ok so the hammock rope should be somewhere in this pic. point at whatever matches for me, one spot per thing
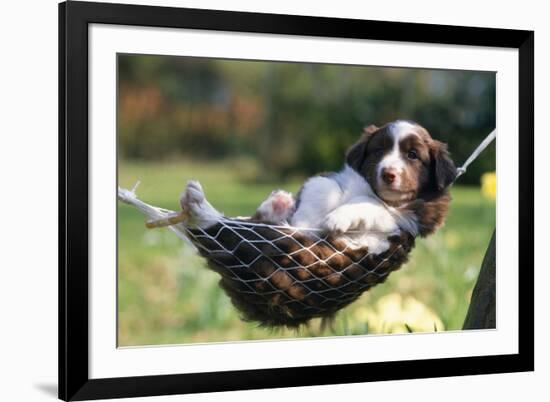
(480, 148)
(284, 275)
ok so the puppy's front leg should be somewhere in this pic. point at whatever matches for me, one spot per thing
(362, 214)
(340, 220)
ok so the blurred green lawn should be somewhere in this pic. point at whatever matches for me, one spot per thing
(167, 296)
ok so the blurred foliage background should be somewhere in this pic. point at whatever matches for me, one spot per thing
(244, 128)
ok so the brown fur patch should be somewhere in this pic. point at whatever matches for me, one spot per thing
(430, 212)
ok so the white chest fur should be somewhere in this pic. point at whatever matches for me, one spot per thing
(345, 203)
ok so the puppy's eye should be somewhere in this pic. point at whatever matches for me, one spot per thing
(412, 154)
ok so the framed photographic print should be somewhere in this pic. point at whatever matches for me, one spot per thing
(237, 190)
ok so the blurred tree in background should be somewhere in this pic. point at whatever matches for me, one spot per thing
(292, 118)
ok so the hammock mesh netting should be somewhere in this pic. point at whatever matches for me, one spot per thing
(279, 275)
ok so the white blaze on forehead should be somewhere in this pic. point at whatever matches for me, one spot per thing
(401, 129)
(394, 159)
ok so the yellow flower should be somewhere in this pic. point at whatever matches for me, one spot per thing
(489, 185)
(393, 314)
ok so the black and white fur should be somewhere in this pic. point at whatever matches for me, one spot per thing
(378, 193)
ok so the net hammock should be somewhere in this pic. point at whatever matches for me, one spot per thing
(282, 275)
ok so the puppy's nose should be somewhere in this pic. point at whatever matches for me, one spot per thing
(389, 176)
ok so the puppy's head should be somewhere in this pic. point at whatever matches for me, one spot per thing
(402, 162)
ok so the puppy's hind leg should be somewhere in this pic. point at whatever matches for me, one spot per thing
(201, 212)
(276, 209)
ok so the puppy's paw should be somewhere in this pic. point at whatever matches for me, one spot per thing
(337, 223)
(282, 202)
(192, 196)
(277, 208)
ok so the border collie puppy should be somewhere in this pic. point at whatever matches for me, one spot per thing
(395, 178)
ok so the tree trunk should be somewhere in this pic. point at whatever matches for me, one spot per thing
(482, 313)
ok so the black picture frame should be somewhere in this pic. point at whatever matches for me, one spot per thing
(74, 19)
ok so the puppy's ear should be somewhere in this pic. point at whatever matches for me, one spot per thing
(369, 130)
(444, 169)
(357, 153)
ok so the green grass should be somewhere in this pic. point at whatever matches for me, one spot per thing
(167, 295)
